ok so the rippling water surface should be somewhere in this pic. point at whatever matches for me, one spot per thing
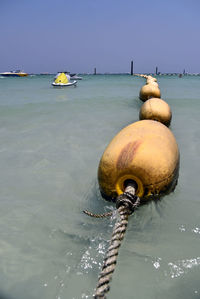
(51, 144)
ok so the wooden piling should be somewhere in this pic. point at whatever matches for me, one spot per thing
(156, 70)
(132, 67)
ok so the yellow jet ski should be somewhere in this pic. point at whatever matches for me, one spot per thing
(61, 80)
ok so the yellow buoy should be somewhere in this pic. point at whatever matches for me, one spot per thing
(149, 91)
(156, 109)
(152, 79)
(145, 152)
(153, 83)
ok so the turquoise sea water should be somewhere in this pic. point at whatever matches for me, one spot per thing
(51, 143)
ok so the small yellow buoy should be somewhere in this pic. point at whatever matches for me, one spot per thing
(145, 152)
(152, 79)
(149, 91)
(153, 83)
(156, 109)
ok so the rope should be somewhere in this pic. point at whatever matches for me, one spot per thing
(112, 253)
(108, 214)
(126, 204)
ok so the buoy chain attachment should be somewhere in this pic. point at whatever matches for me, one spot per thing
(128, 200)
(126, 204)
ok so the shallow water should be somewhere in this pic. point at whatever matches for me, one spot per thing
(51, 143)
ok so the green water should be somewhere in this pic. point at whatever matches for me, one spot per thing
(51, 144)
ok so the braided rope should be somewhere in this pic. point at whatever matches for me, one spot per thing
(126, 203)
(112, 253)
(108, 214)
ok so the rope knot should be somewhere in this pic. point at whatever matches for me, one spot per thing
(128, 200)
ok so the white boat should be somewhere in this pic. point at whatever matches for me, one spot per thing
(76, 77)
(14, 74)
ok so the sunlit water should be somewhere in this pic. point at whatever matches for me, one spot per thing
(51, 143)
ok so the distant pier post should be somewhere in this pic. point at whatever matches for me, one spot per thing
(95, 71)
(156, 70)
(132, 67)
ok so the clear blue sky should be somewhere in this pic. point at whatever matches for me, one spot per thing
(78, 35)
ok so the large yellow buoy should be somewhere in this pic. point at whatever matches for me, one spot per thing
(149, 91)
(145, 152)
(156, 109)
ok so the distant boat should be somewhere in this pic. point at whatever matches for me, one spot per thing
(14, 74)
(62, 80)
(74, 76)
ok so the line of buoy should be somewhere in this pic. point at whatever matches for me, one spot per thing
(154, 107)
(140, 163)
